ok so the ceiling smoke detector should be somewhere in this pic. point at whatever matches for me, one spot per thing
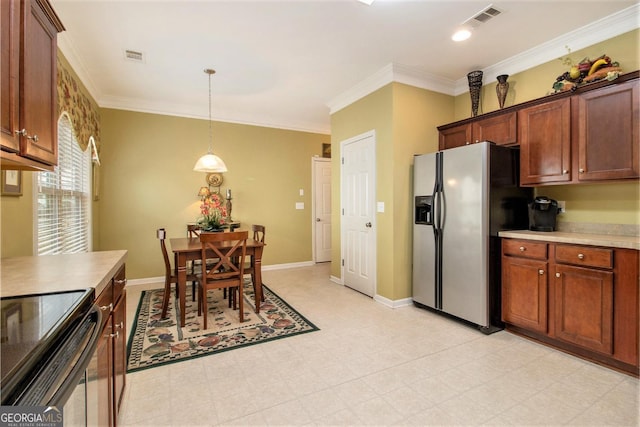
(133, 55)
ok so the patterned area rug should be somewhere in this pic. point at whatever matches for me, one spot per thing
(155, 341)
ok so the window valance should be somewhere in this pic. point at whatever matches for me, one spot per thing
(83, 113)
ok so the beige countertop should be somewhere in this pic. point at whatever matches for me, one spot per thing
(626, 242)
(54, 273)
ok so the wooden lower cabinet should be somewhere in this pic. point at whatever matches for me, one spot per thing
(580, 299)
(111, 352)
(583, 312)
(524, 293)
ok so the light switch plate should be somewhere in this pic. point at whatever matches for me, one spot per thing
(301, 192)
(299, 205)
(380, 206)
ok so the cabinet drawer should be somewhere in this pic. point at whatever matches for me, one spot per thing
(524, 248)
(105, 302)
(119, 280)
(584, 256)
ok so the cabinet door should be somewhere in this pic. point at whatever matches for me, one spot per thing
(104, 354)
(608, 133)
(524, 293)
(38, 103)
(455, 137)
(9, 73)
(584, 307)
(119, 352)
(499, 129)
(544, 133)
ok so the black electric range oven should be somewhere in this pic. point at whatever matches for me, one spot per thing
(47, 342)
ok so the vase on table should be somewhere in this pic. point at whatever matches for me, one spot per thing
(502, 88)
(475, 84)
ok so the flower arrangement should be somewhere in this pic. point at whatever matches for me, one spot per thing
(213, 212)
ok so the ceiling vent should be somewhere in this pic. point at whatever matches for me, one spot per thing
(483, 16)
(132, 55)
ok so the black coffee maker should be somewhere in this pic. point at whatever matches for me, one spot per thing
(542, 214)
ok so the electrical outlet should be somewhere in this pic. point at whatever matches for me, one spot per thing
(561, 206)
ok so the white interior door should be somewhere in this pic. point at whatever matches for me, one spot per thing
(322, 209)
(358, 213)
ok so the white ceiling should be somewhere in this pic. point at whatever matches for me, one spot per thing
(288, 64)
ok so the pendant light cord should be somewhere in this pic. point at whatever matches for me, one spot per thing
(210, 72)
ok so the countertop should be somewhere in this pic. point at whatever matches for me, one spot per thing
(54, 273)
(614, 241)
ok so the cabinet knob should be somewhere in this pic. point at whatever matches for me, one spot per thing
(581, 170)
(541, 272)
(565, 171)
(467, 143)
(116, 335)
(121, 281)
(557, 274)
(522, 248)
(580, 256)
(120, 325)
(477, 141)
(33, 138)
(22, 132)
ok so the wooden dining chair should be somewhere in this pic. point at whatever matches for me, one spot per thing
(193, 231)
(225, 273)
(170, 275)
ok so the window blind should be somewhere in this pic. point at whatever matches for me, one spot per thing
(64, 197)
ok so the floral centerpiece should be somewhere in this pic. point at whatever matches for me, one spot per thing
(213, 213)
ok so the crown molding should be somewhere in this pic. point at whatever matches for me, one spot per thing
(603, 29)
(189, 111)
(597, 31)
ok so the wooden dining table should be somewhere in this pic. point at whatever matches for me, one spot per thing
(187, 249)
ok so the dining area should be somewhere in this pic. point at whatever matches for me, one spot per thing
(212, 261)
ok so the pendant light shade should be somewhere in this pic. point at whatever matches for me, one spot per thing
(210, 162)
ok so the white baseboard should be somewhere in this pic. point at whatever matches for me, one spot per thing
(160, 279)
(337, 280)
(393, 303)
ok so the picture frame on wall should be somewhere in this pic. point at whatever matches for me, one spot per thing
(11, 183)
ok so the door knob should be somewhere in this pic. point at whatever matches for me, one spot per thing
(317, 219)
(368, 225)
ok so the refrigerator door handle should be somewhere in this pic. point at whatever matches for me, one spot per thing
(442, 207)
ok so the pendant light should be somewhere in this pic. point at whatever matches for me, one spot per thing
(210, 162)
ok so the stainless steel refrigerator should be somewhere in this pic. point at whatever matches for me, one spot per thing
(462, 198)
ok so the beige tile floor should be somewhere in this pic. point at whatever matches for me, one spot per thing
(372, 365)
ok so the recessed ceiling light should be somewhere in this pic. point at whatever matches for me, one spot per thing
(367, 2)
(461, 35)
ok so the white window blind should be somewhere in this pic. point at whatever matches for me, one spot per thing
(64, 198)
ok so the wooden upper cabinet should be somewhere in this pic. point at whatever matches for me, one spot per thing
(9, 74)
(29, 124)
(607, 133)
(544, 133)
(500, 129)
(454, 137)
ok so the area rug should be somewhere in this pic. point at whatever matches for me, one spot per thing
(155, 341)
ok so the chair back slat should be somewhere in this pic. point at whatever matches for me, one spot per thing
(258, 232)
(230, 249)
(193, 230)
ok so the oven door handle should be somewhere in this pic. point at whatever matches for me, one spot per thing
(66, 388)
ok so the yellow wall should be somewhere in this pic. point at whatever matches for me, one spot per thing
(148, 182)
(405, 119)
